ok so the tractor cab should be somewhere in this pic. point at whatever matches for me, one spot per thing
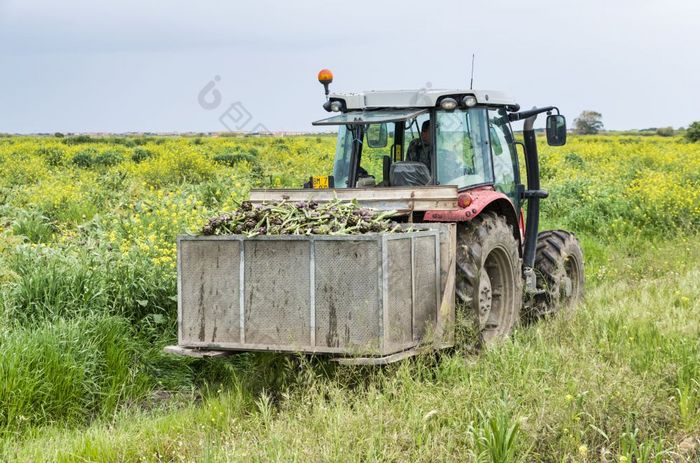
(434, 138)
(442, 144)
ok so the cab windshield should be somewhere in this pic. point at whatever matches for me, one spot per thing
(455, 149)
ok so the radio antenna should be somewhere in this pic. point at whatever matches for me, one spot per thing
(471, 83)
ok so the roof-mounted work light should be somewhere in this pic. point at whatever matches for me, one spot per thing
(469, 101)
(448, 104)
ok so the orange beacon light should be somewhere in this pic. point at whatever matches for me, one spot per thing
(325, 76)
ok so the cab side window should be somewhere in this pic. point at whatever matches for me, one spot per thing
(503, 153)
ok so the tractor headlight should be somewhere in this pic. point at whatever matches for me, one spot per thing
(448, 104)
(469, 101)
(336, 106)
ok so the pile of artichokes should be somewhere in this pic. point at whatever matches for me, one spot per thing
(303, 218)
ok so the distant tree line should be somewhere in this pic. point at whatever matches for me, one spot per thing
(591, 122)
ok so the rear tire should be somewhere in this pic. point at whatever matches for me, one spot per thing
(489, 281)
(559, 271)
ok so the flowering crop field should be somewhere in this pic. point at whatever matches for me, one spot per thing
(88, 300)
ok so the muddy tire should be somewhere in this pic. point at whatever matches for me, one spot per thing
(559, 271)
(489, 281)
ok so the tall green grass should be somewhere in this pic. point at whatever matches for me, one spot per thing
(85, 279)
(81, 331)
(66, 371)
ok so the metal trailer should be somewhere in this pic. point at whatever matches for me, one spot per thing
(365, 299)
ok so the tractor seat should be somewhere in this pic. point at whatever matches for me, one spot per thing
(409, 173)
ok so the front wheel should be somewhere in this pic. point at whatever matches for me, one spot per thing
(489, 282)
(559, 271)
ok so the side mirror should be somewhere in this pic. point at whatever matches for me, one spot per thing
(556, 130)
(377, 135)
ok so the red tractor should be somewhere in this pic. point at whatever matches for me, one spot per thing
(420, 139)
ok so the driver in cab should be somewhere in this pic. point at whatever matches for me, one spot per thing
(419, 148)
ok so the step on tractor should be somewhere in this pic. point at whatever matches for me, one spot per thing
(445, 161)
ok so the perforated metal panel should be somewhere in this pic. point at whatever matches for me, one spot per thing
(277, 293)
(347, 303)
(399, 294)
(209, 290)
(425, 289)
(368, 294)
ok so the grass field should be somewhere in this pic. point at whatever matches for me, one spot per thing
(87, 301)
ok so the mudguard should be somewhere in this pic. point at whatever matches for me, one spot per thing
(473, 202)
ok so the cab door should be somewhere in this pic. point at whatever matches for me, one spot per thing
(505, 158)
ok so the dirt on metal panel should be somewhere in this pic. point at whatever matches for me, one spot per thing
(347, 294)
(425, 290)
(277, 292)
(399, 329)
(209, 290)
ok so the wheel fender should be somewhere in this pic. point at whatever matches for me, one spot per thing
(474, 202)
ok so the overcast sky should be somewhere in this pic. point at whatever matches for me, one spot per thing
(128, 65)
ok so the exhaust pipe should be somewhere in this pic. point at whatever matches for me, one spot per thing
(533, 193)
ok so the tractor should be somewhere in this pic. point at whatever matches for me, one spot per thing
(506, 269)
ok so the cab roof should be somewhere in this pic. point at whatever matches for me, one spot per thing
(421, 98)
